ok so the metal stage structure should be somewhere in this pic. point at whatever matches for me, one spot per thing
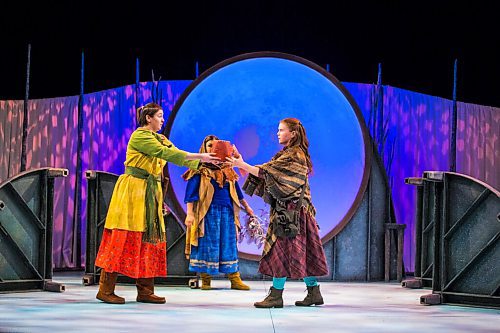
(26, 223)
(458, 240)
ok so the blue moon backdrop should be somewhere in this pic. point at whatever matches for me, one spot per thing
(243, 102)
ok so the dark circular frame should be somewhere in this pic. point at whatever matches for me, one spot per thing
(171, 198)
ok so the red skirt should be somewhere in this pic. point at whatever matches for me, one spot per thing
(297, 257)
(124, 252)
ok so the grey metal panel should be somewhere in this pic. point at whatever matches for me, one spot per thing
(29, 190)
(21, 224)
(177, 264)
(350, 253)
(466, 244)
(9, 262)
(26, 230)
(249, 269)
(379, 215)
(359, 247)
(469, 243)
(329, 248)
(427, 231)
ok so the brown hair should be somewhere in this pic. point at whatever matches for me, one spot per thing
(210, 137)
(300, 138)
(149, 109)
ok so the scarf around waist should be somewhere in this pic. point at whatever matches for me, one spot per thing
(152, 233)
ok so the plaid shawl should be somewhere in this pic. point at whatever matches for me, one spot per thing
(281, 179)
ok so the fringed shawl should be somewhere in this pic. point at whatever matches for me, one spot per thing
(218, 174)
(281, 179)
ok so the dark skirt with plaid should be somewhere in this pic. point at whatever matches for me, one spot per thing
(297, 257)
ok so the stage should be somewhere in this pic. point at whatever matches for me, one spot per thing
(349, 307)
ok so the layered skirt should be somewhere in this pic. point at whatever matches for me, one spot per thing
(124, 252)
(216, 251)
(297, 257)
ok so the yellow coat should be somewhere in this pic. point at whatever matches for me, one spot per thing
(149, 151)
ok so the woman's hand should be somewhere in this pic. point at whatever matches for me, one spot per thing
(236, 160)
(247, 207)
(209, 158)
(189, 220)
(249, 211)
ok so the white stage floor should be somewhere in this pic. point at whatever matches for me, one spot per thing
(349, 307)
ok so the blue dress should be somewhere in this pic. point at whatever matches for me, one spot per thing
(216, 251)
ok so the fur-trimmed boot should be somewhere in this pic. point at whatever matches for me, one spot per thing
(273, 300)
(313, 297)
(146, 291)
(236, 282)
(106, 291)
(206, 279)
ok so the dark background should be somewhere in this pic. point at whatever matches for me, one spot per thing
(416, 42)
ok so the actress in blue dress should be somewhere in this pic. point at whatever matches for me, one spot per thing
(213, 198)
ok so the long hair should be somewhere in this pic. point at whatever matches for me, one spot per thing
(300, 139)
(146, 110)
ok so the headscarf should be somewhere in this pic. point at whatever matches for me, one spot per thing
(220, 174)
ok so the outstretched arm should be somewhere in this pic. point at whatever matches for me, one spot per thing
(238, 162)
(204, 157)
(149, 143)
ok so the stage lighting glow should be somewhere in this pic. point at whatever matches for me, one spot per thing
(244, 100)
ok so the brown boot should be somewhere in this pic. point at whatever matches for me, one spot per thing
(236, 282)
(273, 300)
(206, 279)
(313, 297)
(106, 291)
(145, 291)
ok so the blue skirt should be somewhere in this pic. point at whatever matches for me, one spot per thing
(216, 251)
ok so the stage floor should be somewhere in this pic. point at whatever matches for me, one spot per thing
(349, 307)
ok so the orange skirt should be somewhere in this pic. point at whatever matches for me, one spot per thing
(124, 252)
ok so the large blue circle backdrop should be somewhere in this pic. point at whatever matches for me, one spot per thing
(243, 99)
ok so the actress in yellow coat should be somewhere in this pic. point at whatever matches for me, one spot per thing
(134, 239)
